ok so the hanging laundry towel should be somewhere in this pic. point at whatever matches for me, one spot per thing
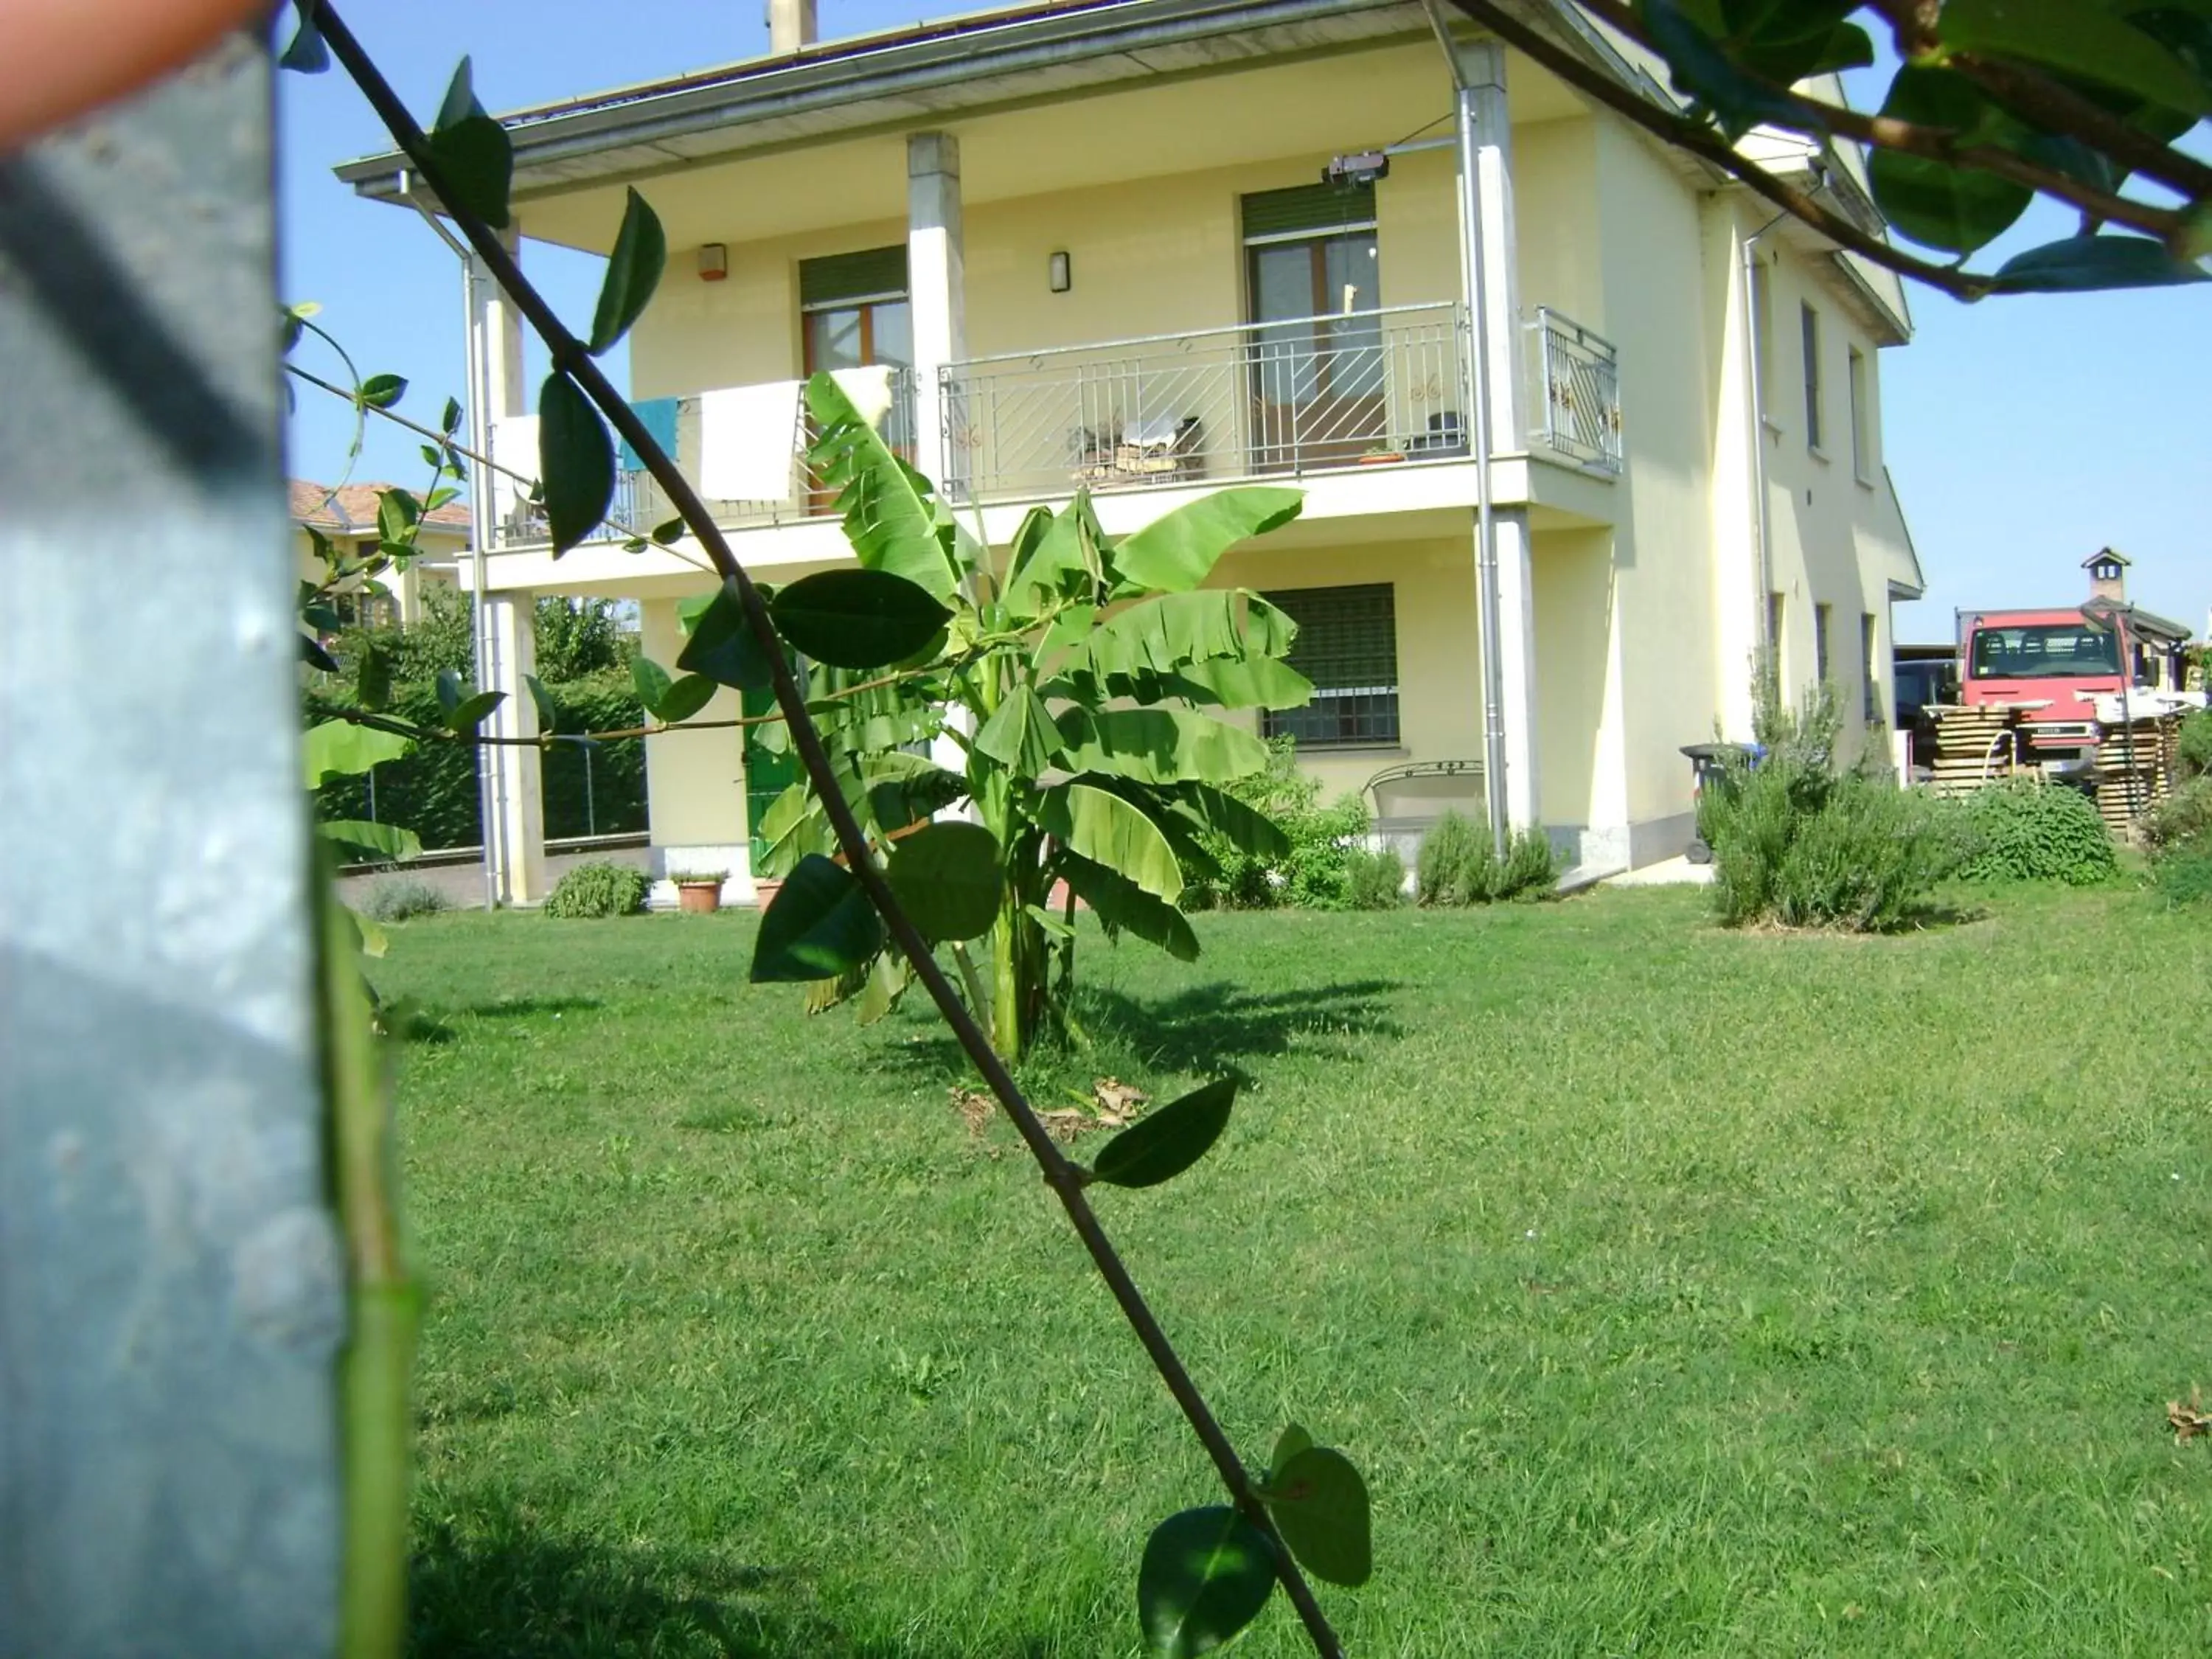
(514, 449)
(658, 416)
(869, 389)
(748, 442)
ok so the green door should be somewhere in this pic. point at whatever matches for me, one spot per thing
(766, 775)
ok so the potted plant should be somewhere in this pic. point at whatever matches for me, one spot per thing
(1381, 455)
(698, 892)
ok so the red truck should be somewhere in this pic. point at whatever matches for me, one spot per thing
(2060, 663)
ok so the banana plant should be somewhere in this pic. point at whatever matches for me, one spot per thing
(1078, 683)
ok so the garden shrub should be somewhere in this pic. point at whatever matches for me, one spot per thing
(1459, 865)
(1798, 841)
(2183, 817)
(596, 890)
(396, 898)
(2197, 743)
(1374, 881)
(2183, 874)
(2028, 830)
(1316, 874)
(1450, 862)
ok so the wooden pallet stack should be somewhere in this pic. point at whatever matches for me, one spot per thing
(2136, 762)
(1974, 746)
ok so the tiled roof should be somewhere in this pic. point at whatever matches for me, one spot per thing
(351, 508)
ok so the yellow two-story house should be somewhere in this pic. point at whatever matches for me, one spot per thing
(1585, 432)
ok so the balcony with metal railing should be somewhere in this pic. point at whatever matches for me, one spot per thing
(1385, 388)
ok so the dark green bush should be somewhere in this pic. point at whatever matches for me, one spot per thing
(1374, 881)
(1798, 843)
(2197, 743)
(1316, 873)
(2183, 817)
(2183, 874)
(596, 890)
(397, 898)
(1459, 865)
(2025, 830)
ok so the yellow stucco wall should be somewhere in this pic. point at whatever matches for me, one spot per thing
(695, 780)
(405, 586)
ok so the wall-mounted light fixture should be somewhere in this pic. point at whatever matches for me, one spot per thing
(714, 262)
(1060, 272)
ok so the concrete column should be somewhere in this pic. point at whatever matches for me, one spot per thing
(1515, 634)
(515, 836)
(937, 294)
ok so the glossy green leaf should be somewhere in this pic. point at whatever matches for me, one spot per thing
(652, 681)
(1165, 634)
(820, 925)
(2080, 264)
(305, 54)
(548, 711)
(2076, 38)
(1122, 906)
(575, 462)
(1168, 1141)
(947, 879)
(634, 269)
(449, 420)
(1159, 745)
(1293, 1440)
(472, 151)
(1020, 734)
(885, 505)
(1243, 826)
(1319, 1504)
(1174, 553)
(382, 391)
(377, 841)
(857, 618)
(1111, 831)
(686, 698)
(341, 748)
(1206, 1575)
(899, 789)
(1703, 71)
(312, 654)
(371, 676)
(469, 714)
(722, 646)
(1955, 209)
(1064, 561)
(450, 691)
(888, 978)
(668, 534)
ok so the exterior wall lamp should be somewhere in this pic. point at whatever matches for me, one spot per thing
(1060, 272)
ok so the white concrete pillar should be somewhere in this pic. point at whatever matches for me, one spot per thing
(516, 837)
(936, 295)
(1516, 658)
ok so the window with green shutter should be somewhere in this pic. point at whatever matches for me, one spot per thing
(850, 279)
(1347, 646)
(1308, 211)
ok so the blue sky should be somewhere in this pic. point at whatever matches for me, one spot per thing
(2024, 433)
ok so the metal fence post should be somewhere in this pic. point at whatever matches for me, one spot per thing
(171, 1290)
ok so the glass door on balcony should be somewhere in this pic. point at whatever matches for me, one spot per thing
(1313, 277)
(853, 314)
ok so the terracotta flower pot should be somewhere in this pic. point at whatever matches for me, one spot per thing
(764, 893)
(699, 898)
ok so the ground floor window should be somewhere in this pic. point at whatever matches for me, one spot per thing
(1347, 646)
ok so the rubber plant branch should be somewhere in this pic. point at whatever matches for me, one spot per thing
(1705, 142)
(569, 357)
(1935, 143)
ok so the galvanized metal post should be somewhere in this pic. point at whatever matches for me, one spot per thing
(170, 1288)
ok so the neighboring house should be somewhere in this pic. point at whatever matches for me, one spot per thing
(1094, 245)
(347, 516)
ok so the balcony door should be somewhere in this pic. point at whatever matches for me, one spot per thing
(1313, 281)
(853, 314)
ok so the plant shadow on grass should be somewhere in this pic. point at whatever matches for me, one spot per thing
(1213, 1029)
(498, 1589)
(523, 1007)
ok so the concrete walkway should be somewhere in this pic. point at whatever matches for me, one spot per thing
(462, 880)
(1668, 872)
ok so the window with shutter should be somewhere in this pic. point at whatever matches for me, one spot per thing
(1347, 646)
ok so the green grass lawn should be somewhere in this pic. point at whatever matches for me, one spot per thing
(1678, 1291)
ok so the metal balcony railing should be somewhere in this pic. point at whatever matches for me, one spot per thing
(1574, 403)
(1259, 400)
(640, 503)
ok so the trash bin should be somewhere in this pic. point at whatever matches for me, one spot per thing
(1708, 761)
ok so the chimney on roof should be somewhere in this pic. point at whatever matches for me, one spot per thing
(2108, 575)
(791, 26)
